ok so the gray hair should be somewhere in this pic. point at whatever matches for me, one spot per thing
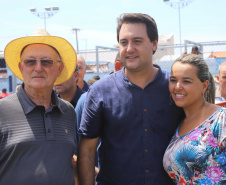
(81, 57)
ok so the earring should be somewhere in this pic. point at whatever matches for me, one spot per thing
(204, 96)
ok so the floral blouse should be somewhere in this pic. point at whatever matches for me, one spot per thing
(199, 157)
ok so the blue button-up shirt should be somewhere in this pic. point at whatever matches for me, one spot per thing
(135, 126)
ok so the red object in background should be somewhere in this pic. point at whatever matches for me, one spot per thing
(3, 95)
(118, 66)
(221, 103)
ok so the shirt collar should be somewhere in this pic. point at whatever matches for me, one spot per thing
(78, 93)
(28, 105)
(126, 80)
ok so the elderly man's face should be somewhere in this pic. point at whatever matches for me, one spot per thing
(82, 68)
(39, 77)
(222, 79)
(66, 87)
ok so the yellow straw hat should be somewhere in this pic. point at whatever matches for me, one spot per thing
(67, 53)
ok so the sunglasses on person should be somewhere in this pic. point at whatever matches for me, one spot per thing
(44, 62)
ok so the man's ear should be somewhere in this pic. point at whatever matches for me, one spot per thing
(76, 76)
(154, 46)
(20, 67)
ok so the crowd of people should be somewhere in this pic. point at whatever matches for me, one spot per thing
(138, 125)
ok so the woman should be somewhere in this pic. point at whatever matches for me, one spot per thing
(196, 153)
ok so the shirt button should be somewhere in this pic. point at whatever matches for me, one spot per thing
(145, 110)
(145, 130)
(146, 150)
(147, 171)
(49, 130)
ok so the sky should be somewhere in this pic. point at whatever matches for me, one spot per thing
(200, 20)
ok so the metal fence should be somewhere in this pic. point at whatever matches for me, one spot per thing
(214, 54)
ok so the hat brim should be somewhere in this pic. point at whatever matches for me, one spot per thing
(67, 53)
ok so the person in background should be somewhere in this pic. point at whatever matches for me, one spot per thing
(82, 71)
(221, 89)
(69, 90)
(196, 153)
(93, 79)
(37, 134)
(17, 88)
(194, 50)
(4, 93)
(130, 111)
(118, 64)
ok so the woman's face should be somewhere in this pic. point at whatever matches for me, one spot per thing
(185, 87)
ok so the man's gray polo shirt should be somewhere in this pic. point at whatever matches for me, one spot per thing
(36, 146)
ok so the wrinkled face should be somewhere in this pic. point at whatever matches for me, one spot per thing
(185, 87)
(67, 86)
(136, 49)
(222, 79)
(39, 77)
(82, 69)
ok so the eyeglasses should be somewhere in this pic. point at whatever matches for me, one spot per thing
(44, 62)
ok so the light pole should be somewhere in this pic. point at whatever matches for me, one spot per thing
(76, 35)
(49, 12)
(178, 4)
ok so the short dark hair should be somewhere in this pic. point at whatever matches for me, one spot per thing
(4, 90)
(202, 73)
(151, 27)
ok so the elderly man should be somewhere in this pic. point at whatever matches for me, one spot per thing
(69, 90)
(221, 89)
(37, 129)
(82, 71)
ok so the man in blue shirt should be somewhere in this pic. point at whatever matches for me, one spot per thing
(131, 112)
